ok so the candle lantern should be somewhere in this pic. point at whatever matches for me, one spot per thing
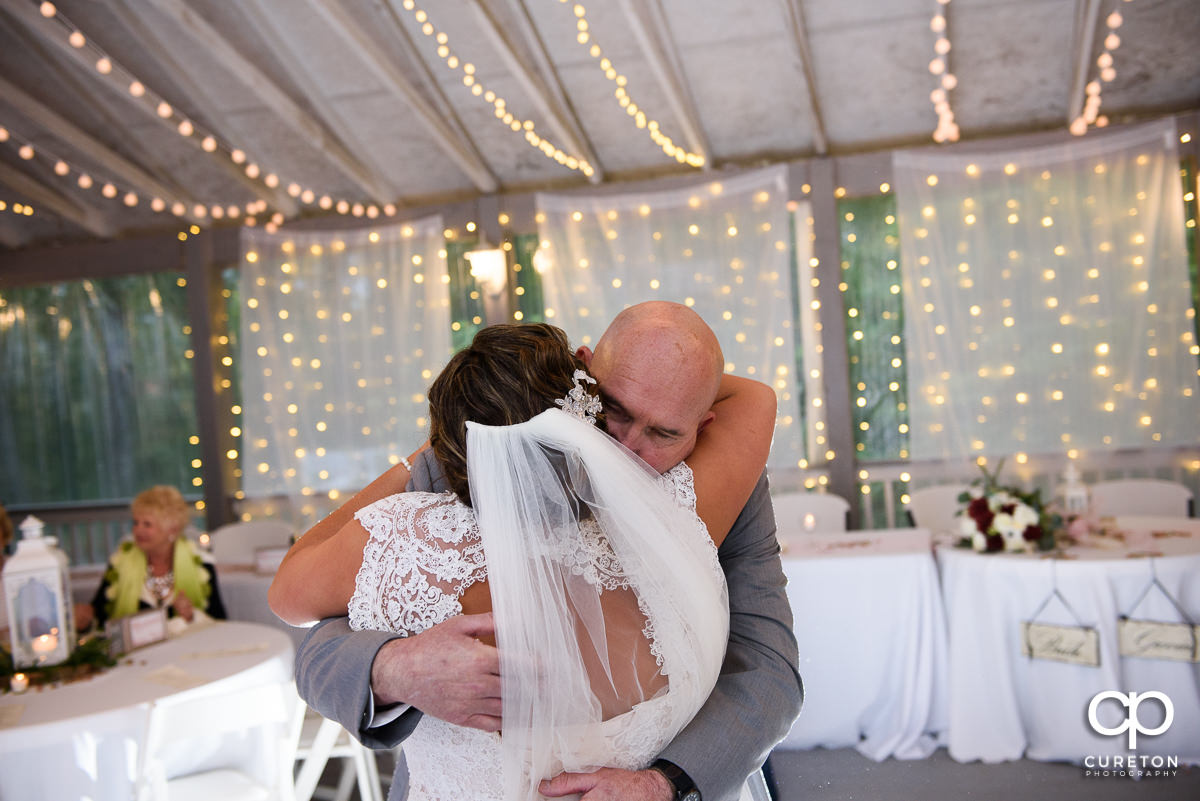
(37, 592)
(1074, 492)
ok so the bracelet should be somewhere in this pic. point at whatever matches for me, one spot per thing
(407, 464)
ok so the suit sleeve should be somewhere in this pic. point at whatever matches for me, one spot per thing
(759, 692)
(333, 663)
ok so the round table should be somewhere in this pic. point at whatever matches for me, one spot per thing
(83, 739)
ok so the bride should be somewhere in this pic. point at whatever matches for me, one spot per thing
(610, 607)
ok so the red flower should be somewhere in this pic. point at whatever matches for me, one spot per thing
(1032, 534)
(982, 514)
(995, 543)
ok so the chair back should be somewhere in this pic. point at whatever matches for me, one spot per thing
(221, 742)
(799, 512)
(1140, 496)
(235, 543)
(934, 507)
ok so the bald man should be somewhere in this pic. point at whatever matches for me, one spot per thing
(658, 366)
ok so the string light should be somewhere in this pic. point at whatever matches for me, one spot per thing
(1107, 73)
(635, 110)
(499, 105)
(947, 128)
(179, 122)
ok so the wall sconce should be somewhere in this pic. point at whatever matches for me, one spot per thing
(489, 266)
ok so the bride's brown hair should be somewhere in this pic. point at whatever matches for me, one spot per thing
(509, 374)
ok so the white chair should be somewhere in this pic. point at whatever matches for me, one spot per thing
(235, 543)
(798, 512)
(934, 507)
(319, 740)
(237, 745)
(1140, 496)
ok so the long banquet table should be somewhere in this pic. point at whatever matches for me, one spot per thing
(1003, 705)
(82, 739)
(869, 623)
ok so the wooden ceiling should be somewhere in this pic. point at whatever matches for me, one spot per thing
(351, 100)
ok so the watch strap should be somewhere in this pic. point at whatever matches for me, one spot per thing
(685, 788)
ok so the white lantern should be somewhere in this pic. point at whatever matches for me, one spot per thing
(37, 592)
(1074, 492)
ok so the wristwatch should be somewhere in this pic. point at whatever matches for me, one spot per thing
(685, 788)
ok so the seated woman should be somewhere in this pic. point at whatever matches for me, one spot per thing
(158, 568)
(610, 606)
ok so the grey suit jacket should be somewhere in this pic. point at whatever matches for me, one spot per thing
(757, 695)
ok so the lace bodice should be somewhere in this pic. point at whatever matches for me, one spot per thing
(424, 551)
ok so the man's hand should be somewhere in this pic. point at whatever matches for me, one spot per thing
(444, 671)
(611, 784)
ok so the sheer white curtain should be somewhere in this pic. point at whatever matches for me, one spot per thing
(1047, 300)
(341, 334)
(722, 247)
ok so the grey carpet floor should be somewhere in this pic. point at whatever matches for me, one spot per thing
(846, 775)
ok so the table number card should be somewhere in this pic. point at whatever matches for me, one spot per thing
(1154, 639)
(1078, 645)
(135, 631)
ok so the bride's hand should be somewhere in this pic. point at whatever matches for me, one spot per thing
(444, 671)
(610, 784)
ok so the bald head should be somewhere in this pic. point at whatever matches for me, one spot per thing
(659, 368)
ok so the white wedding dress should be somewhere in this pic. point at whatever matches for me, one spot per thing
(426, 549)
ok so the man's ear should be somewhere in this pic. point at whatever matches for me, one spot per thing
(708, 417)
(586, 354)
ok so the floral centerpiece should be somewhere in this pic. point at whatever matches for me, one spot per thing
(995, 518)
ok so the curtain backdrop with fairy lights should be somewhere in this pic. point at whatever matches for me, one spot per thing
(341, 334)
(721, 247)
(1046, 297)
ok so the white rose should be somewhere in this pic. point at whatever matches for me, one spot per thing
(1005, 524)
(966, 526)
(979, 542)
(1025, 516)
(1015, 544)
(976, 492)
(999, 499)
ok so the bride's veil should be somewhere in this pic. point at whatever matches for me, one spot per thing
(606, 594)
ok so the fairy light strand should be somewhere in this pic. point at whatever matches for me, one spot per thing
(635, 111)
(499, 104)
(168, 115)
(1107, 73)
(939, 67)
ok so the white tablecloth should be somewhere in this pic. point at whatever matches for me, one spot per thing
(244, 593)
(1003, 706)
(869, 623)
(82, 740)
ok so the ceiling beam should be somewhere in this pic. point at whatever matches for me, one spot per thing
(1087, 14)
(150, 39)
(538, 77)
(447, 133)
(10, 235)
(372, 181)
(650, 26)
(38, 194)
(90, 148)
(33, 21)
(795, 16)
(273, 96)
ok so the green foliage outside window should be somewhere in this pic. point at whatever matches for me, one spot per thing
(871, 279)
(96, 400)
(874, 307)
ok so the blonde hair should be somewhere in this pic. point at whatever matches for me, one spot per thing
(166, 505)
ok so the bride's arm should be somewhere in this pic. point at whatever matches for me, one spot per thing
(329, 567)
(731, 451)
(288, 596)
